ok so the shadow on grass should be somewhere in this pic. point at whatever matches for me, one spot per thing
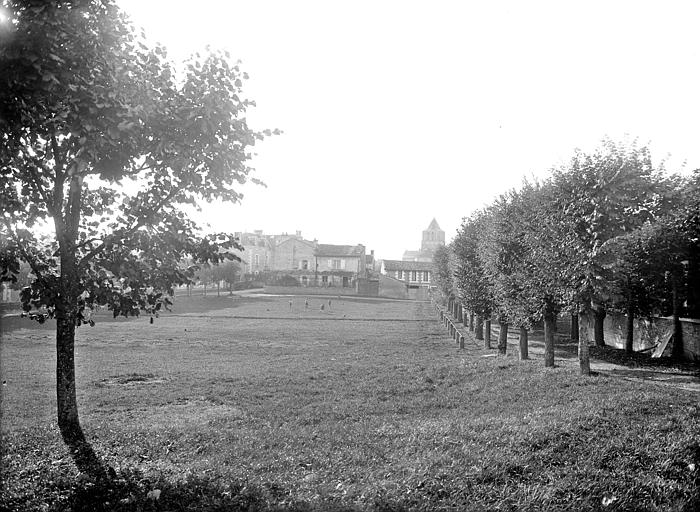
(131, 492)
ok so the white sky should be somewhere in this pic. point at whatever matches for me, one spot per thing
(395, 112)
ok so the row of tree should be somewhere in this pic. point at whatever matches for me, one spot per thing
(607, 231)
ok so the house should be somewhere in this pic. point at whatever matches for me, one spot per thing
(275, 253)
(413, 273)
(339, 265)
(292, 252)
(257, 252)
(433, 237)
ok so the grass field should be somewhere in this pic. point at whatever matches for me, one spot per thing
(247, 403)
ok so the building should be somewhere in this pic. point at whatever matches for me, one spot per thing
(339, 265)
(291, 258)
(257, 252)
(292, 252)
(413, 273)
(433, 237)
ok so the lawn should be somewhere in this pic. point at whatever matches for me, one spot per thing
(248, 403)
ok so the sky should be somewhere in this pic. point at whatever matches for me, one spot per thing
(398, 112)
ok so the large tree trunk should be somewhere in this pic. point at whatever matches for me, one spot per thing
(550, 321)
(479, 327)
(487, 332)
(471, 321)
(598, 328)
(66, 315)
(574, 327)
(502, 336)
(523, 343)
(67, 405)
(584, 359)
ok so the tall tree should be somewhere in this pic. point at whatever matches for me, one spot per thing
(600, 196)
(470, 276)
(102, 143)
(444, 273)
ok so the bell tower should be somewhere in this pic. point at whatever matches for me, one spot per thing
(433, 237)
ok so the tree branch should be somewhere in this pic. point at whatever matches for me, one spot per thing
(114, 238)
(22, 249)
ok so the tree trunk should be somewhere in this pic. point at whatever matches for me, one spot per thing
(471, 321)
(67, 226)
(67, 405)
(629, 338)
(677, 348)
(479, 327)
(574, 327)
(523, 343)
(502, 337)
(487, 332)
(218, 288)
(599, 314)
(550, 320)
(584, 359)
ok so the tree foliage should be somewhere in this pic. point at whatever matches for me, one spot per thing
(103, 146)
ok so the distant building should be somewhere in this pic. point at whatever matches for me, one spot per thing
(413, 273)
(339, 265)
(304, 261)
(433, 237)
(293, 253)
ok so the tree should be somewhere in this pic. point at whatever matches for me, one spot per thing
(102, 144)
(228, 272)
(506, 264)
(444, 279)
(601, 196)
(470, 276)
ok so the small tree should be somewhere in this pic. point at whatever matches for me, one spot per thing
(86, 105)
(228, 272)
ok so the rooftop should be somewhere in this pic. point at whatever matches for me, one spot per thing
(340, 250)
(408, 265)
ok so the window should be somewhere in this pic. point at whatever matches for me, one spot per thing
(413, 276)
(256, 259)
(426, 276)
(335, 264)
(305, 264)
(304, 280)
(399, 274)
(324, 279)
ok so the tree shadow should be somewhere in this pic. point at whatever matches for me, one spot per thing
(132, 492)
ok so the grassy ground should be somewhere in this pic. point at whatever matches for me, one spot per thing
(249, 404)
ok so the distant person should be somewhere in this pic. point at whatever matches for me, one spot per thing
(290, 303)
(322, 306)
(329, 303)
(306, 303)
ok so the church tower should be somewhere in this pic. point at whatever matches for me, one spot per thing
(433, 237)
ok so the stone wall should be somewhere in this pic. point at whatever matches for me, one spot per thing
(647, 332)
(392, 288)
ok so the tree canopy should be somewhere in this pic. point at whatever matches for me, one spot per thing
(104, 143)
